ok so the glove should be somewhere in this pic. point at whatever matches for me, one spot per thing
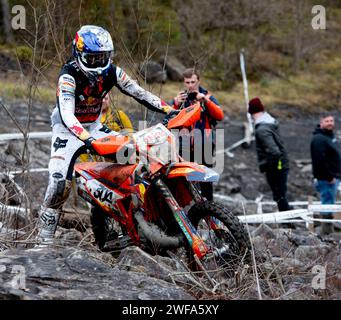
(169, 116)
(88, 144)
(165, 107)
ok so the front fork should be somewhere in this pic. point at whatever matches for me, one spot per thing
(213, 223)
(198, 245)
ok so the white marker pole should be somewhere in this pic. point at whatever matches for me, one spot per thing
(246, 92)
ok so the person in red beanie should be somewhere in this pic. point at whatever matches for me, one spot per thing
(272, 156)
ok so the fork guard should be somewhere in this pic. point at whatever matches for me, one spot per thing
(193, 172)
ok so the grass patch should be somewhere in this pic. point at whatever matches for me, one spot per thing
(18, 90)
(311, 90)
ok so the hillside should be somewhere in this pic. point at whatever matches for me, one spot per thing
(287, 61)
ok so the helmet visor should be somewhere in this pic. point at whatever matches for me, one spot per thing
(96, 60)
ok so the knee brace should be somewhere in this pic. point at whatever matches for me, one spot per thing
(57, 191)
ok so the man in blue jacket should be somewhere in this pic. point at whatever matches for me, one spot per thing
(326, 162)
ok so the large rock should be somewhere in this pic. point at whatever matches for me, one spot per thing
(62, 273)
(173, 67)
(284, 265)
(265, 231)
(159, 267)
(305, 239)
(297, 292)
(135, 259)
(152, 72)
(312, 254)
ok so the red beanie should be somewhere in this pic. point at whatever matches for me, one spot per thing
(255, 105)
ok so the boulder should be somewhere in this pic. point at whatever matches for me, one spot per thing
(174, 67)
(281, 247)
(284, 265)
(305, 239)
(137, 260)
(75, 274)
(264, 231)
(152, 72)
(312, 254)
(167, 269)
(296, 292)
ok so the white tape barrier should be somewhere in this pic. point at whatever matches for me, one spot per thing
(22, 212)
(304, 220)
(19, 136)
(12, 173)
(295, 203)
(274, 217)
(324, 208)
(289, 216)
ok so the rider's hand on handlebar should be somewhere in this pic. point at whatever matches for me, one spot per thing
(88, 143)
(166, 108)
(169, 116)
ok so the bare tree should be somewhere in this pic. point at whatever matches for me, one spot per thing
(7, 21)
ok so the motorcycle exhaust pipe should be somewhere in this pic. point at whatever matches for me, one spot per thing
(155, 235)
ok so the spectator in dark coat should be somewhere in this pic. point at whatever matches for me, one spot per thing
(272, 156)
(326, 161)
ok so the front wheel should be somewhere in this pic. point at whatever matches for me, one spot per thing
(224, 234)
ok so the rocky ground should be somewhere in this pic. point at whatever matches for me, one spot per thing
(288, 260)
(290, 264)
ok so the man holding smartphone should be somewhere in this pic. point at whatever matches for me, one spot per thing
(202, 135)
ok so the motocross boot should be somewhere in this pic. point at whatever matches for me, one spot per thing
(47, 225)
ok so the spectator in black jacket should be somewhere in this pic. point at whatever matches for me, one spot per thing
(272, 156)
(326, 161)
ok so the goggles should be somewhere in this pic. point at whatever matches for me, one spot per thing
(96, 60)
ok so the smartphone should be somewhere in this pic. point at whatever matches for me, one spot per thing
(192, 95)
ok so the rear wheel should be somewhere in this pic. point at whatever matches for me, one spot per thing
(229, 243)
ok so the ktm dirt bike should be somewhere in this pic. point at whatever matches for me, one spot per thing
(155, 200)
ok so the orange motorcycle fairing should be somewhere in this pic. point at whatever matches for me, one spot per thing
(110, 144)
(186, 117)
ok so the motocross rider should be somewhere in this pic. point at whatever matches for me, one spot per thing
(83, 82)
